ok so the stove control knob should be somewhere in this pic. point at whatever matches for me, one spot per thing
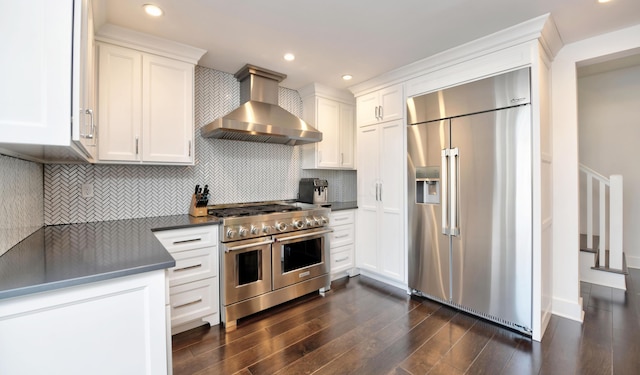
(316, 221)
(309, 222)
(242, 231)
(254, 230)
(281, 226)
(299, 224)
(323, 220)
(266, 228)
(231, 233)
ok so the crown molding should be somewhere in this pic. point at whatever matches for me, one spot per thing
(541, 28)
(113, 34)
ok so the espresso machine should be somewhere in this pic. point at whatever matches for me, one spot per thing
(313, 190)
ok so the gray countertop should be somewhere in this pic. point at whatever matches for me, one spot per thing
(338, 206)
(60, 256)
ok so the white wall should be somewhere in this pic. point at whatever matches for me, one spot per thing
(608, 133)
(566, 283)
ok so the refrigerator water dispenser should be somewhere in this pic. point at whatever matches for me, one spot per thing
(428, 185)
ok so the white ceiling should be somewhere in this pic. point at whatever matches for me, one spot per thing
(361, 37)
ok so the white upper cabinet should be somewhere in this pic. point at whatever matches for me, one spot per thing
(44, 66)
(167, 110)
(83, 106)
(331, 112)
(383, 105)
(120, 103)
(145, 101)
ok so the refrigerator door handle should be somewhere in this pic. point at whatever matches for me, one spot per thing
(454, 160)
(444, 167)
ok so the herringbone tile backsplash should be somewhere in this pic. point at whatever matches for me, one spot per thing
(235, 171)
(21, 206)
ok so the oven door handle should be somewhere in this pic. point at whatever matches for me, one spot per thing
(240, 247)
(303, 235)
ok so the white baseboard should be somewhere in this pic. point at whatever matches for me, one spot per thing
(383, 279)
(632, 262)
(567, 309)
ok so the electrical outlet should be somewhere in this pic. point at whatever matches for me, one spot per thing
(87, 190)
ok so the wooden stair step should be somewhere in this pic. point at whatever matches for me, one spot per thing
(623, 271)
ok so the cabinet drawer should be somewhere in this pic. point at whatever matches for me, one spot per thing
(342, 258)
(193, 301)
(342, 235)
(342, 217)
(193, 265)
(176, 240)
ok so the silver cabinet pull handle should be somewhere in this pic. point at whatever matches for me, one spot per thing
(342, 259)
(380, 112)
(187, 268)
(381, 192)
(188, 303)
(189, 148)
(376, 113)
(136, 145)
(93, 126)
(186, 241)
(341, 236)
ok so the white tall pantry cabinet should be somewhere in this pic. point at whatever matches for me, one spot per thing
(380, 248)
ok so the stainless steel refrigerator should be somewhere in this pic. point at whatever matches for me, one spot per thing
(470, 197)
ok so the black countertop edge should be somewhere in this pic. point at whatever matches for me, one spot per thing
(60, 256)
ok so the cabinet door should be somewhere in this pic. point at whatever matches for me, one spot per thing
(392, 103)
(392, 263)
(35, 71)
(120, 103)
(83, 96)
(328, 122)
(367, 229)
(167, 110)
(366, 109)
(347, 136)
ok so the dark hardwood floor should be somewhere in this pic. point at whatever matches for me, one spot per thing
(365, 327)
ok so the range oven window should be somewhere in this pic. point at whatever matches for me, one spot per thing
(301, 254)
(249, 267)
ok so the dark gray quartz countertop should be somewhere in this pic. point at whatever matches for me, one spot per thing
(60, 256)
(338, 206)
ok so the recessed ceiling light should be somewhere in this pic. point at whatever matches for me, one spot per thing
(289, 56)
(603, 1)
(347, 77)
(153, 10)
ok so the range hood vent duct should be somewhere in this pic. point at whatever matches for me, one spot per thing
(259, 118)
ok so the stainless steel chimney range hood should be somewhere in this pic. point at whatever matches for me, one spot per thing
(259, 118)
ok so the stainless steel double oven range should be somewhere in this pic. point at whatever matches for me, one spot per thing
(270, 253)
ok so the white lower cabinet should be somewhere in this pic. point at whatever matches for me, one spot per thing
(193, 283)
(115, 326)
(342, 243)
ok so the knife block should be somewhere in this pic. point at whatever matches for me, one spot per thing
(196, 211)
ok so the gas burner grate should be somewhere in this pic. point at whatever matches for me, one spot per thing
(251, 210)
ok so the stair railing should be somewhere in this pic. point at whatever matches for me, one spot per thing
(614, 183)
